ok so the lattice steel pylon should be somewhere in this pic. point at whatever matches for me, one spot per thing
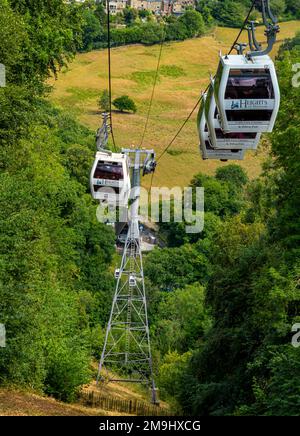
(127, 341)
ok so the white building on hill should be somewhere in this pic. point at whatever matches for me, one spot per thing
(116, 6)
(148, 5)
(176, 7)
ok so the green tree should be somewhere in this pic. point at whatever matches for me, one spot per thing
(92, 31)
(171, 373)
(229, 13)
(11, 42)
(125, 103)
(233, 174)
(236, 179)
(104, 104)
(293, 7)
(205, 8)
(278, 394)
(278, 7)
(144, 13)
(182, 320)
(130, 15)
(152, 33)
(193, 22)
(174, 268)
(286, 151)
(176, 31)
(78, 162)
(54, 33)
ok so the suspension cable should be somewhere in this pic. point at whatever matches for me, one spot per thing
(175, 137)
(152, 94)
(163, 37)
(200, 99)
(181, 128)
(109, 74)
(243, 27)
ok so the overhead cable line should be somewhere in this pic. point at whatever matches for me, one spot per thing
(200, 99)
(177, 134)
(164, 33)
(181, 128)
(243, 27)
(109, 74)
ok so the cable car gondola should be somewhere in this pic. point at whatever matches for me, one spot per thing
(206, 149)
(247, 93)
(110, 179)
(221, 140)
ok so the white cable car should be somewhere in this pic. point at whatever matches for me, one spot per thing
(247, 93)
(132, 281)
(110, 178)
(206, 149)
(221, 140)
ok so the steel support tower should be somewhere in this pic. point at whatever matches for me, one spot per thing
(127, 341)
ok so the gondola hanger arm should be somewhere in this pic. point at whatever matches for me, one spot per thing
(272, 28)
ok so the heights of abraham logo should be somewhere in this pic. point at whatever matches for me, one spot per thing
(235, 105)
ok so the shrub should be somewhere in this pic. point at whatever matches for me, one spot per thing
(104, 101)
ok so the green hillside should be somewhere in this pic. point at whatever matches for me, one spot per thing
(185, 69)
(223, 303)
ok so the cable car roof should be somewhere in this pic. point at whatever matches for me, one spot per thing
(240, 61)
(110, 157)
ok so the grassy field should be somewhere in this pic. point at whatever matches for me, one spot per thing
(14, 402)
(184, 72)
(20, 403)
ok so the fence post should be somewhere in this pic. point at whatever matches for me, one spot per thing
(131, 406)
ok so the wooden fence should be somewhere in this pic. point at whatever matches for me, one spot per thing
(133, 407)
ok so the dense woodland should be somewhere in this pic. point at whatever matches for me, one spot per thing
(133, 26)
(221, 304)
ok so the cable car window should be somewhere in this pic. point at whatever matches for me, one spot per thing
(236, 135)
(250, 115)
(249, 84)
(109, 171)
